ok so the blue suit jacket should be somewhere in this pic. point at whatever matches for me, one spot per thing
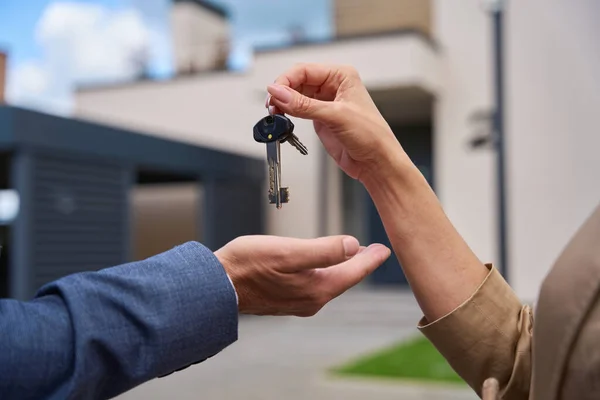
(95, 335)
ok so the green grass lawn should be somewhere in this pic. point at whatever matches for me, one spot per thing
(413, 360)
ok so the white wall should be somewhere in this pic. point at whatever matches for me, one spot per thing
(553, 102)
(464, 178)
(552, 132)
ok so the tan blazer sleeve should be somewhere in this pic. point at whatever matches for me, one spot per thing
(488, 336)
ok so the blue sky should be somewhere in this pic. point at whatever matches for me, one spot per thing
(18, 20)
(54, 45)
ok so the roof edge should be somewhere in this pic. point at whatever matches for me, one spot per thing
(92, 87)
(342, 39)
(216, 9)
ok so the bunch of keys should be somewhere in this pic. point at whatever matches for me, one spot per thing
(274, 130)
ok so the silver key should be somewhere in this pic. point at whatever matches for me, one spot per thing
(277, 194)
(294, 141)
(272, 131)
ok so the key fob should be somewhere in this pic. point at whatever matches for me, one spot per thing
(272, 128)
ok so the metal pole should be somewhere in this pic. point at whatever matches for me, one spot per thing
(498, 42)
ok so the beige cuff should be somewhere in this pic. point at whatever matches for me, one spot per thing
(479, 337)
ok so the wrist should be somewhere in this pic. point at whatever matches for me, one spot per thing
(393, 168)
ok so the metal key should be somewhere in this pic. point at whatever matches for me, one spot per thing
(294, 141)
(277, 194)
(274, 130)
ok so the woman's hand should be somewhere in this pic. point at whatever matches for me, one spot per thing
(442, 270)
(345, 117)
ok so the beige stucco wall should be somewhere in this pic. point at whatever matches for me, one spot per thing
(198, 38)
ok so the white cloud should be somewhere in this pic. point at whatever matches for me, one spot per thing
(29, 85)
(83, 43)
(33, 78)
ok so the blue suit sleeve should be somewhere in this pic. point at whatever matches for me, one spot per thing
(98, 334)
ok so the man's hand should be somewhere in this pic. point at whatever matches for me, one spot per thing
(345, 117)
(285, 276)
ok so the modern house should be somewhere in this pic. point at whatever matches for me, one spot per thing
(74, 197)
(429, 66)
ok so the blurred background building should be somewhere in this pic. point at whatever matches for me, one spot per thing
(429, 66)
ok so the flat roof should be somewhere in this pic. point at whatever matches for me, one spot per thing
(22, 129)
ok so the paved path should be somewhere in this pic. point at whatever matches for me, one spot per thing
(287, 358)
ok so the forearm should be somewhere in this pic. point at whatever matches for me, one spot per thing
(440, 267)
(485, 332)
(95, 335)
(36, 349)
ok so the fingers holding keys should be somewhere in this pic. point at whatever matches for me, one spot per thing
(321, 81)
(294, 91)
(308, 92)
(346, 119)
(289, 101)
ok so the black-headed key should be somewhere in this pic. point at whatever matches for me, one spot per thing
(274, 130)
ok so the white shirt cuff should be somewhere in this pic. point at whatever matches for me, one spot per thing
(237, 300)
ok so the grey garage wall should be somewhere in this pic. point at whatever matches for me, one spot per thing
(73, 178)
(73, 217)
(232, 208)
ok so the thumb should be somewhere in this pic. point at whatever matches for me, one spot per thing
(298, 105)
(302, 254)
